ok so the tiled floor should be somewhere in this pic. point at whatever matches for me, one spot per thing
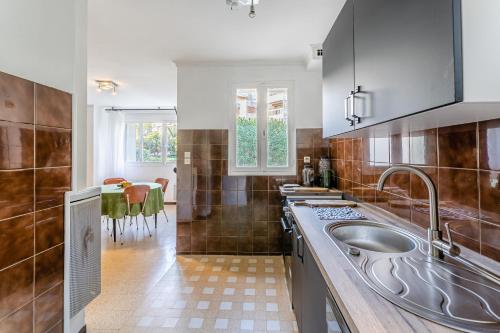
(147, 289)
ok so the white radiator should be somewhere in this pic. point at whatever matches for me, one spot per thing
(82, 282)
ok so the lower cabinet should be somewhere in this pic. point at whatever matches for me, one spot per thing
(309, 289)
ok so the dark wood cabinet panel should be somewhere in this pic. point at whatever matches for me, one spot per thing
(338, 72)
(313, 314)
(308, 287)
(405, 57)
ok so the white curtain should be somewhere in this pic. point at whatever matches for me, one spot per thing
(117, 132)
(109, 142)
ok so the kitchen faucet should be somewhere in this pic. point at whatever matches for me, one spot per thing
(436, 243)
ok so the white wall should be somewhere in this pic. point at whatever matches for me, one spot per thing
(45, 42)
(203, 90)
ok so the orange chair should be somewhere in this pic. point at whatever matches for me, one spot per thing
(110, 181)
(164, 184)
(136, 194)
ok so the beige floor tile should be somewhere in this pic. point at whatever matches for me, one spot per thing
(146, 288)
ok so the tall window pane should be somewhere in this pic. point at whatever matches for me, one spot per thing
(171, 133)
(246, 128)
(151, 139)
(133, 144)
(277, 127)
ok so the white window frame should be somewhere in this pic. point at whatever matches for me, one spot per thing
(164, 143)
(262, 168)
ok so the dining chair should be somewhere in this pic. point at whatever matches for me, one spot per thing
(110, 181)
(136, 194)
(164, 184)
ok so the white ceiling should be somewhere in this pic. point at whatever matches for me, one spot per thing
(135, 43)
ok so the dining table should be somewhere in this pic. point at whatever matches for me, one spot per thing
(114, 204)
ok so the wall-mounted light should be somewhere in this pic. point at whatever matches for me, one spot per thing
(106, 85)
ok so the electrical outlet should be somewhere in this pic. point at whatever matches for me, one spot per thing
(307, 159)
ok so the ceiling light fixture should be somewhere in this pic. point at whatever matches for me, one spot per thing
(252, 11)
(235, 4)
(106, 85)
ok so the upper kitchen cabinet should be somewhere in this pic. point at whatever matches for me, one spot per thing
(338, 73)
(407, 57)
(410, 56)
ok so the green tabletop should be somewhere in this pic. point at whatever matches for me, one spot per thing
(114, 204)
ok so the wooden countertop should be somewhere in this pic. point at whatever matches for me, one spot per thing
(329, 192)
(363, 308)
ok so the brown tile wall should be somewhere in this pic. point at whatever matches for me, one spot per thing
(463, 162)
(35, 171)
(217, 213)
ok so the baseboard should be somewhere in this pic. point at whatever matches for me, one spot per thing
(170, 203)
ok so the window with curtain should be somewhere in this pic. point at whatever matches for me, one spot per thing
(262, 130)
(151, 142)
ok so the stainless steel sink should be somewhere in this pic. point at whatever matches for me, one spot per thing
(396, 265)
(373, 237)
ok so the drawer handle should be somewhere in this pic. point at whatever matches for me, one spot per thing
(346, 110)
(355, 118)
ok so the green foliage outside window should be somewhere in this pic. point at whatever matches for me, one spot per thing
(151, 143)
(246, 138)
(277, 143)
(171, 143)
(246, 142)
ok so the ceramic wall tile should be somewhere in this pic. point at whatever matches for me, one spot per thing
(458, 191)
(49, 225)
(35, 132)
(458, 146)
(49, 309)
(21, 321)
(53, 147)
(17, 103)
(17, 286)
(423, 147)
(53, 107)
(490, 240)
(16, 197)
(16, 145)
(462, 162)
(17, 235)
(50, 186)
(233, 212)
(49, 269)
(489, 187)
(489, 145)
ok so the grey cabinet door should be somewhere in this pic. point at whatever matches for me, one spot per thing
(315, 291)
(338, 72)
(297, 275)
(407, 57)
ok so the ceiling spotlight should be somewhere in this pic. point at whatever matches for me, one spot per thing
(252, 11)
(235, 4)
(106, 85)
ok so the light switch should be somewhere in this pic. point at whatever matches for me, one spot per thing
(307, 159)
(187, 161)
(187, 154)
